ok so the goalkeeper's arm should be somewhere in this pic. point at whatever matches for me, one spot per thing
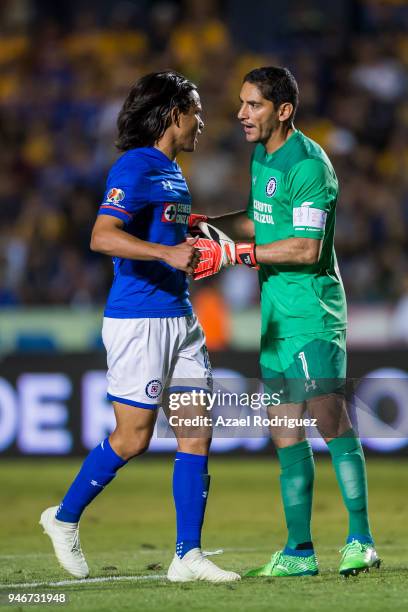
(219, 250)
(236, 225)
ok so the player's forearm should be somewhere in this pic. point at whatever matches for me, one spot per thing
(291, 251)
(117, 243)
(237, 225)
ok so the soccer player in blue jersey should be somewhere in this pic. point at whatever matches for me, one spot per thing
(151, 335)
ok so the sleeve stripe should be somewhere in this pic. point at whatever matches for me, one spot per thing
(119, 210)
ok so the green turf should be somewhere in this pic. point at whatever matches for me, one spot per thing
(130, 527)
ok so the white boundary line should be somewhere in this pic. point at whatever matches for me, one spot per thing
(27, 585)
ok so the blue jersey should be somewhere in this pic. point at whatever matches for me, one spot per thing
(148, 192)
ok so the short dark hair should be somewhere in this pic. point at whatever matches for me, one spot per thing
(275, 84)
(146, 112)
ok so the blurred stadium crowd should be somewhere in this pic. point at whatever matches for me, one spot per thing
(65, 75)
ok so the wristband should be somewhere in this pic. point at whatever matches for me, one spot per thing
(245, 254)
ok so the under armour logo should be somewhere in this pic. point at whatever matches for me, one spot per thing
(311, 385)
(95, 483)
(167, 185)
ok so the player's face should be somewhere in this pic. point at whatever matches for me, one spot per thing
(257, 114)
(191, 124)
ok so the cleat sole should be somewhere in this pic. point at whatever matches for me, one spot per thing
(360, 570)
(353, 571)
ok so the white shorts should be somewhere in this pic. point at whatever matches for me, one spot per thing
(146, 356)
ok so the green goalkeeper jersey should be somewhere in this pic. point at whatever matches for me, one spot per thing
(293, 194)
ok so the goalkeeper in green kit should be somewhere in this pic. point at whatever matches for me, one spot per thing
(287, 232)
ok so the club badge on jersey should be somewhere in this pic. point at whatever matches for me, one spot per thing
(176, 212)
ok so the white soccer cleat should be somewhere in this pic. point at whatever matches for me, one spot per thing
(195, 566)
(65, 539)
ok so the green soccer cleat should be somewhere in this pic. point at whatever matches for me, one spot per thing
(286, 565)
(358, 557)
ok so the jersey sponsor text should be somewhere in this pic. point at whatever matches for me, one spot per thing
(263, 212)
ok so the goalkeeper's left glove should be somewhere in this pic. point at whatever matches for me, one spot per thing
(226, 244)
(216, 250)
(194, 220)
(237, 253)
(245, 253)
(211, 258)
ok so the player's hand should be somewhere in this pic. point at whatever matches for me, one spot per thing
(184, 256)
(227, 245)
(239, 253)
(210, 258)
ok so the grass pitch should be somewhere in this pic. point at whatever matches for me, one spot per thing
(128, 533)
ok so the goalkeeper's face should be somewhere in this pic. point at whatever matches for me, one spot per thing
(190, 125)
(257, 114)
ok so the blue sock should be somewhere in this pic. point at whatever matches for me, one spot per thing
(295, 552)
(190, 489)
(98, 469)
(363, 539)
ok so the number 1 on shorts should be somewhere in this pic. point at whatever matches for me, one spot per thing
(302, 358)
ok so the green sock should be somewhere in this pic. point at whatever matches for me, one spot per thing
(296, 480)
(349, 465)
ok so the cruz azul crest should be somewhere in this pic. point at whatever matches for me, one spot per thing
(271, 187)
(153, 388)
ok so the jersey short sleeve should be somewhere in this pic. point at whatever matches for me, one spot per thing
(127, 191)
(312, 187)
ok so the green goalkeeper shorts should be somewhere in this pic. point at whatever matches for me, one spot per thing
(306, 366)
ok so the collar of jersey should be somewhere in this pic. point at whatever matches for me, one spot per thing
(159, 155)
(285, 144)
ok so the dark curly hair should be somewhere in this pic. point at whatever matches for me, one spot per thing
(275, 84)
(146, 112)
